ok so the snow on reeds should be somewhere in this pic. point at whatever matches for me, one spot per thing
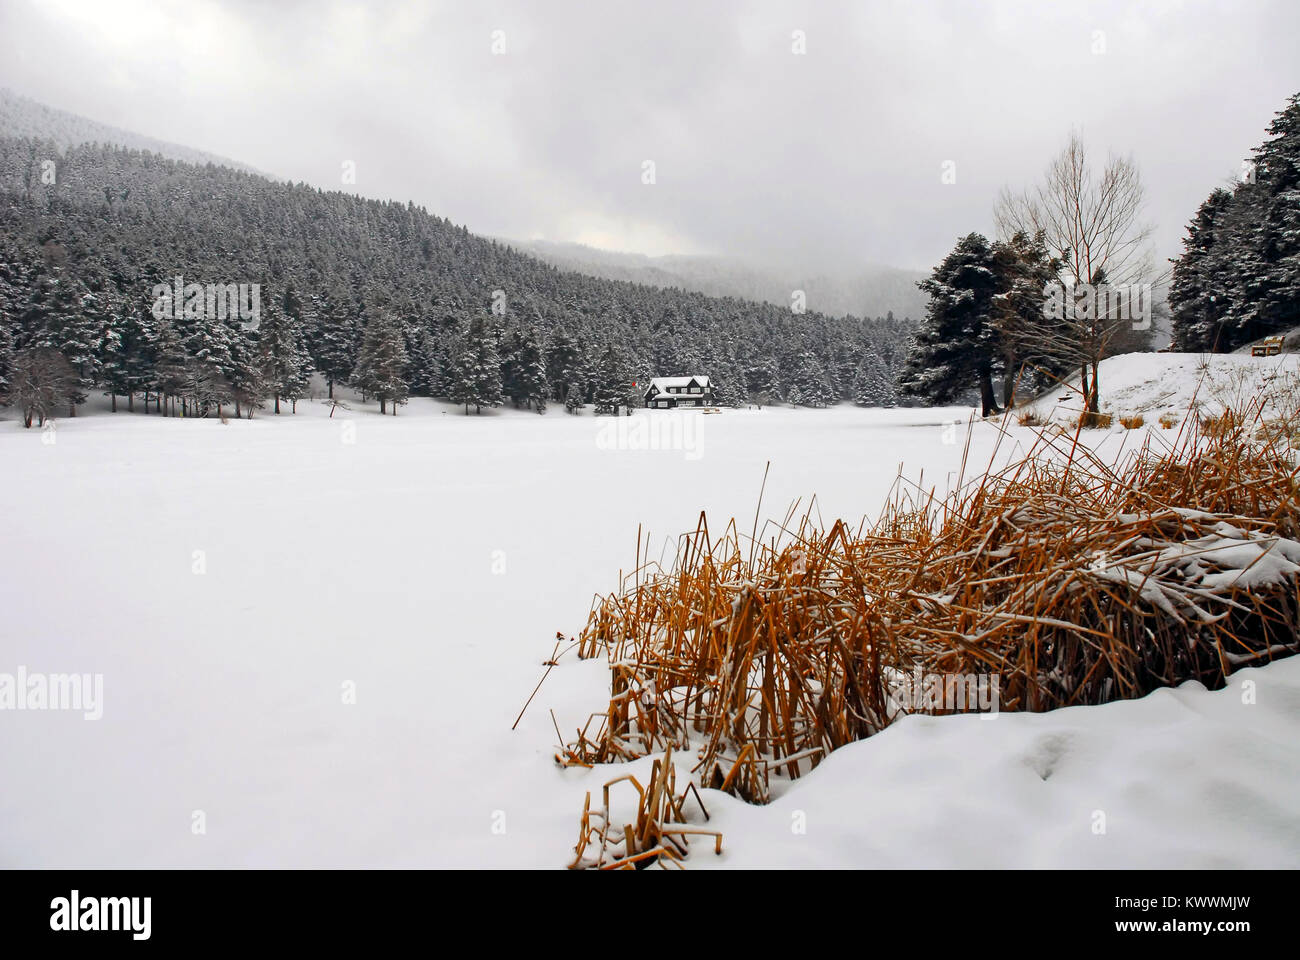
(1057, 580)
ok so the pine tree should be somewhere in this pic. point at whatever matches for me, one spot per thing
(564, 365)
(63, 316)
(1024, 267)
(425, 374)
(476, 371)
(809, 383)
(1239, 276)
(6, 357)
(523, 371)
(1197, 289)
(871, 386)
(381, 365)
(573, 401)
(247, 386)
(1269, 271)
(957, 342)
(171, 366)
(764, 382)
(285, 361)
(612, 382)
(332, 339)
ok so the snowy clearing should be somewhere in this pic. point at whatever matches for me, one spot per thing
(427, 565)
(1152, 384)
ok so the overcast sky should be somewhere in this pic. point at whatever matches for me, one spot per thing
(835, 154)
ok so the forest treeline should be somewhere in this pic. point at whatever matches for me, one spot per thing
(381, 296)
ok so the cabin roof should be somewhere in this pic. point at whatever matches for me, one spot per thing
(663, 383)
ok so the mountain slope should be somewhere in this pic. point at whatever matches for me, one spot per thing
(119, 221)
(24, 117)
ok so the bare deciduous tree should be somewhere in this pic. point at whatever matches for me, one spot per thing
(1092, 224)
(43, 381)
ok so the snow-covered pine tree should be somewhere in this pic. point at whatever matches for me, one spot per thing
(809, 382)
(208, 343)
(956, 347)
(573, 402)
(476, 370)
(63, 316)
(1197, 294)
(425, 374)
(612, 382)
(6, 357)
(564, 365)
(171, 366)
(763, 381)
(381, 364)
(1269, 272)
(1239, 276)
(247, 385)
(523, 370)
(871, 387)
(285, 361)
(332, 338)
(1029, 341)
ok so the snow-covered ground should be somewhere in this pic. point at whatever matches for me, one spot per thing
(234, 584)
(1154, 384)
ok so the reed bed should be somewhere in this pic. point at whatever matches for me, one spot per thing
(1060, 580)
(658, 835)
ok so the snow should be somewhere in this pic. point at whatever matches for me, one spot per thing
(428, 565)
(1156, 383)
(1183, 778)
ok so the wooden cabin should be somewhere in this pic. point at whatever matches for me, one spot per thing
(671, 392)
(1268, 347)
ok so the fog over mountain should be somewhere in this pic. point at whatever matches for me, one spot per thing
(833, 288)
(24, 117)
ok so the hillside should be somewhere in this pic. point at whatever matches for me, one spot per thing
(80, 257)
(23, 117)
(1153, 384)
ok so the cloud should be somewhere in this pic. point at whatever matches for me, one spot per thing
(834, 155)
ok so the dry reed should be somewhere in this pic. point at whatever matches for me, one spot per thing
(1064, 579)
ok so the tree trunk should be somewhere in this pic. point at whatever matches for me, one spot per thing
(238, 413)
(277, 404)
(987, 398)
(130, 403)
(72, 409)
(1009, 382)
(1094, 398)
(113, 396)
(383, 407)
(331, 386)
